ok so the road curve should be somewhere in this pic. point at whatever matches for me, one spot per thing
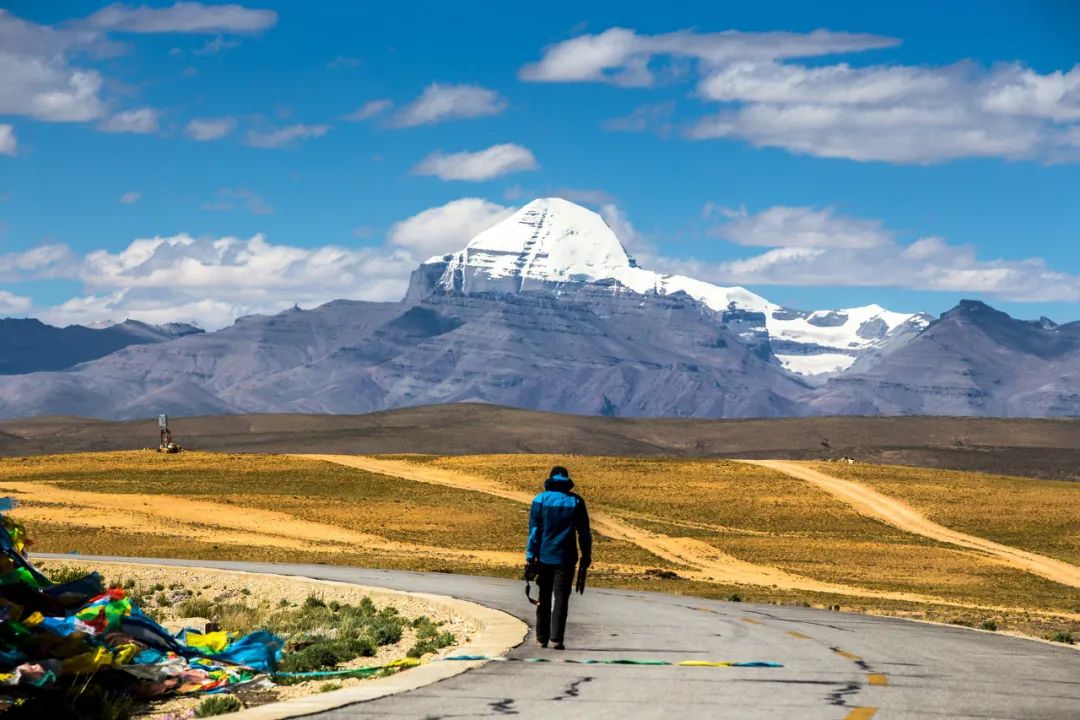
(836, 665)
(871, 503)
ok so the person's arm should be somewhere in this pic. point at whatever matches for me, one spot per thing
(584, 533)
(536, 519)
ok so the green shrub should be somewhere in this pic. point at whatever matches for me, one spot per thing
(314, 657)
(217, 705)
(196, 607)
(64, 574)
(1062, 637)
(314, 601)
(989, 624)
(329, 687)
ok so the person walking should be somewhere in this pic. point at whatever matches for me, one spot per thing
(558, 524)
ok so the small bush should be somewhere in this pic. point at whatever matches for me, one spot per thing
(217, 705)
(162, 600)
(329, 687)
(314, 657)
(313, 601)
(157, 587)
(196, 607)
(989, 624)
(734, 597)
(64, 574)
(1062, 637)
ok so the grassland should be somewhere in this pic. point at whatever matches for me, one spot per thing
(276, 508)
(1038, 515)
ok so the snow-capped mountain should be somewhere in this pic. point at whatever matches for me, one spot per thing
(553, 242)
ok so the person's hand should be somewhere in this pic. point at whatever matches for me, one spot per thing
(580, 586)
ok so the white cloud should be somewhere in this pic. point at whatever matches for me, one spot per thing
(281, 137)
(784, 226)
(634, 242)
(9, 145)
(43, 261)
(623, 57)
(820, 248)
(439, 103)
(493, 162)
(130, 198)
(143, 120)
(216, 45)
(203, 129)
(654, 118)
(370, 109)
(446, 228)
(889, 113)
(231, 198)
(12, 304)
(895, 113)
(182, 17)
(212, 281)
(37, 77)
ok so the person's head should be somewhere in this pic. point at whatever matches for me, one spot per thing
(558, 479)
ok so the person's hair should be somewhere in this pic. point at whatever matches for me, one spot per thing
(559, 471)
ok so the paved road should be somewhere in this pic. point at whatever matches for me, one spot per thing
(837, 665)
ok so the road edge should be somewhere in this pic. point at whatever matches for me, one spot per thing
(499, 633)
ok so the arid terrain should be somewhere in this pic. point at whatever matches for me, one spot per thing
(961, 547)
(1033, 448)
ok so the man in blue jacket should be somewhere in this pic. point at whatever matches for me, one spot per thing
(558, 523)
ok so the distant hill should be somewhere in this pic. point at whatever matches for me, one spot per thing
(1042, 448)
(29, 345)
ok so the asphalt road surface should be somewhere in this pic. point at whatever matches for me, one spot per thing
(836, 665)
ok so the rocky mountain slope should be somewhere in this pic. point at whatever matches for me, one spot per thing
(547, 311)
(31, 345)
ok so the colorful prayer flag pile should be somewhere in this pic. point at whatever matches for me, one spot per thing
(52, 634)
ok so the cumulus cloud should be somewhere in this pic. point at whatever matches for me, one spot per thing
(784, 226)
(895, 113)
(493, 162)
(39, 67)
(143, 120)
(446, 228)
(370, 109)
(182, 17)
(12, 304)
(9, 145)
(43, 261)
(889, 113)
(439, 103)
(130, 198)
(620, 56)
(212, 281)
(204, 129)
(280, 137)
(38, 78)
(815, 247)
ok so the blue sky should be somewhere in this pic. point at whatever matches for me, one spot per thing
(898, 155)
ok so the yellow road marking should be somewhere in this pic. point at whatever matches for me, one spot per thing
(846, 654)
(752, 621)
(861, 713)
(798, 635)
(877, 679)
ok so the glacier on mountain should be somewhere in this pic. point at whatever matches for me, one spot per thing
(552, 242)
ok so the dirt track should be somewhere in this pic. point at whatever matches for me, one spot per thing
(701, 560)
(869, 502)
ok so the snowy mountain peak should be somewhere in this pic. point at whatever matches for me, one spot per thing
(550, 239)
(551, 242)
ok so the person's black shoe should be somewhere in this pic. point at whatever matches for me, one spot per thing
(560, 646)
(542, 643)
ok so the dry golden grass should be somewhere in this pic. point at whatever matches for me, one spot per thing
(754, 514)
(1037, 515)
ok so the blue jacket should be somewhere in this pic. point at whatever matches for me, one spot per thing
(556, 516)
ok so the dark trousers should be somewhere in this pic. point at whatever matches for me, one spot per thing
(556, 583)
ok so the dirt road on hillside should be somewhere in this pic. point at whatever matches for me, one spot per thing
(870, 503)
(701, 560)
